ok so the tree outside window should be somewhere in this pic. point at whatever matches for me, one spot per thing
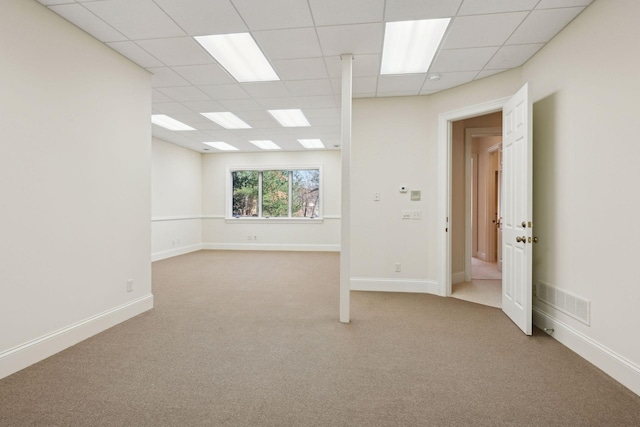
(291, 193)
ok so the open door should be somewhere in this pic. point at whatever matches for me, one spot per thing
(517, 192)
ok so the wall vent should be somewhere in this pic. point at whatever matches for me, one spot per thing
(575, 306)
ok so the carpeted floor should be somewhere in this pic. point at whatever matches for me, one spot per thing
(252, 339)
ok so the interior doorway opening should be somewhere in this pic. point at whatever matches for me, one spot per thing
(476, 220)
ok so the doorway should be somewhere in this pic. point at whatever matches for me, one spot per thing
(475, 217)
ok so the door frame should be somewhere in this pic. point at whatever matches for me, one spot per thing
(468, 170)
(444, 182)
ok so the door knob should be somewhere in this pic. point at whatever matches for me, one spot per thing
(522, 239)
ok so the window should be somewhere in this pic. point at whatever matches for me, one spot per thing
(275, 193)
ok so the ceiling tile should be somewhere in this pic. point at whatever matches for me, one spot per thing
(157, 97)
(171, 108)
(266, 89)
(552, 4)
(319, 113)
(229, 91)
(361, 85)
(482, 30)
(480, 7)
(448, 80)
(363, 65)
(355, 39)
(541, 25)
(89, 22)
(204, 106)
(185, 93)
(50, 2)
(204, 17)
(300, 69)
(409, 83)
(166, 77)
(315, 101)
(309, 87)
(278, 103)
(177, 51)
(209, 74)
(463, 59)
(512, 56)
(136, 54)
(288, 44)
(274, 14)
(339, 12)
(407, 10)
(139, 19)
(240, 104)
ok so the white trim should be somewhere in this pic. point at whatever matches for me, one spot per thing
(27, 354)
(270, 247)
(175, 218)
(278, 220)
(213, 217)
(444, 183)
(618, 367)
(157, 256)
(394, 285)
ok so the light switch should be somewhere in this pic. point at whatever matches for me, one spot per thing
(416, 214)
(376, 197)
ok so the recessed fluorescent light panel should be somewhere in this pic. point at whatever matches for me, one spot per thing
(311, 143)
(227, 120)
(240, 55)
(222, 146)
(168, 122)
(409, 46)
(290, 118)
(265, 145)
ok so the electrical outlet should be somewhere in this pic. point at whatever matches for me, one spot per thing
(130, 285)
(376, 197)
(255, 237)
(398, 267)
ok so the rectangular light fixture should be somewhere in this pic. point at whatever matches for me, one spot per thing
(227, 120)
(240, 56)
(169, 122)
(290, 118)
(409, 46)
(311, 143)
(222, 146)
(265, 145)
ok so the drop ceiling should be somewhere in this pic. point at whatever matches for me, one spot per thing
(303, 40)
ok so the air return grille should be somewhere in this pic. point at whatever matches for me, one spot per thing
(576, 307)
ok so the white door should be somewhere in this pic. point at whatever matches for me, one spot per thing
(517, 209)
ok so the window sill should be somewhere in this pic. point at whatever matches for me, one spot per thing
(246, 220)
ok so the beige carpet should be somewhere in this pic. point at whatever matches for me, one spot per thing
(484, 270)
(252, 339)
(485, 292)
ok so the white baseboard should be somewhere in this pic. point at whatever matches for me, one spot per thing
(270, 247)
(619, 368)
(157, 256)
(457, 277)
(395, 285)
(39, 349)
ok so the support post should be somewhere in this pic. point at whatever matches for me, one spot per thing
(345, 222)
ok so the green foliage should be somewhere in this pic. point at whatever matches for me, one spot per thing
(245, 193)
(275, 193)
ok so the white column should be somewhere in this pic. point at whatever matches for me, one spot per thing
(345, 228)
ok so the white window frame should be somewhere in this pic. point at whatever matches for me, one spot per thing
(229, 194)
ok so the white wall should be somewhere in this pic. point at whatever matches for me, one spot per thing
(221, 233)
(586, 175)
(74, 185)
(176, 200)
